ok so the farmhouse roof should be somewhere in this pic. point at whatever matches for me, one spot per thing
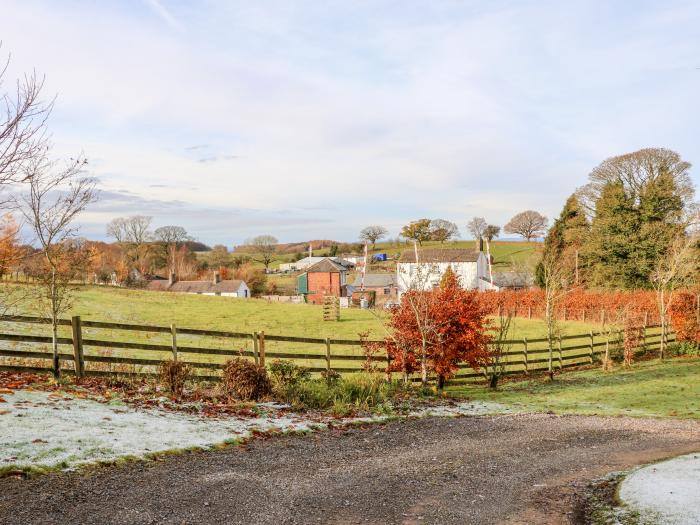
(440, 255)
(376, 280)
(225, 286)
(326, 265)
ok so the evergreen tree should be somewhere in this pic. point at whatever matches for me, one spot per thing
(565, 238)
(611, 248)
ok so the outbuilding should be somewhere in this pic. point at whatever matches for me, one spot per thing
(324, 278)
(216, 286)
(382, 284)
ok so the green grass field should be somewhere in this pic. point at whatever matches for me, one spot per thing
(96, 303)
(223, 313)
(506, 254)
(651, 388)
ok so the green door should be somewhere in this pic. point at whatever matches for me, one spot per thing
(303, 284)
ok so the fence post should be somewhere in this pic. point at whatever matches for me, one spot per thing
(590, 346)
(261, 349)
(256, 355)
(529, 312)
(561, 363)
(328, 358)
(173, 337)
(525, 345)
(78, 357)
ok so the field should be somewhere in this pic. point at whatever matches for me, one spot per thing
(651, 388)
(506, 254)
(107, 304)
(98, 303)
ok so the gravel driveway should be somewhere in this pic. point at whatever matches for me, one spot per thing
(506, 469)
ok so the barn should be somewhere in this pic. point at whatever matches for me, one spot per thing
(326, 277)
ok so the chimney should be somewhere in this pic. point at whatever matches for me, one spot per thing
(481, 244)
(172, 279)
(217, 277)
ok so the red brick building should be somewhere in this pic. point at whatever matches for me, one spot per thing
(322, 279)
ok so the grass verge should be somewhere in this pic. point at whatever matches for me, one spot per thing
(648, 389)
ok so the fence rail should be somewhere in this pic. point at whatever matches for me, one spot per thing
(106, 356)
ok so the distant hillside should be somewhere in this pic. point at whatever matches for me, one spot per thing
(292, 247)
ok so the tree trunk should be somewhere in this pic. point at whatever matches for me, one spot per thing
(493, 383)
(423, 366)
(441, 382)
(662, 315)
(54, 326)
(54, 347)
(549, 319)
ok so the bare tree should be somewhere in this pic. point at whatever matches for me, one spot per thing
(54, 200)
(675, 269)
(477, 227)
(373, 234)
(116, 228)
(172, 235)
(499, 345)
(443, 230)
(634, 171)
(22, 124)
(556, 278)
(135, 235)
(266, 246)
(528, 224)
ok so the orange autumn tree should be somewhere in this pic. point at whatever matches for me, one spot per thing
(10, 251)
(433, 331)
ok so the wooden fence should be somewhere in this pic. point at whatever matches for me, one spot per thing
(84, 352)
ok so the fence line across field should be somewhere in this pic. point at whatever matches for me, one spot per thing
(529, 351)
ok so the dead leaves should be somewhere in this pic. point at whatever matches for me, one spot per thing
(16, 380)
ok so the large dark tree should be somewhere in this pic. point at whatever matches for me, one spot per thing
(565, 240)
(641, 201)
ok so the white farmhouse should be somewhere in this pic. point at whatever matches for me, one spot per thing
(468, 265)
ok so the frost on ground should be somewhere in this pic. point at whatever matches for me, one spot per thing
(668, 492)
(50, 429)
(41, 429)
(466, 408)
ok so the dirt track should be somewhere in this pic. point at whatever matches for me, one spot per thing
(510, 469)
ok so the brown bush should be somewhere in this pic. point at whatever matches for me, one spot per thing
(173, 374)
(246, 380)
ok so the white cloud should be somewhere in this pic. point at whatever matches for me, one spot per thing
(345, 115)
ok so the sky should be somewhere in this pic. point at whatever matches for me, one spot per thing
(310, 120)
